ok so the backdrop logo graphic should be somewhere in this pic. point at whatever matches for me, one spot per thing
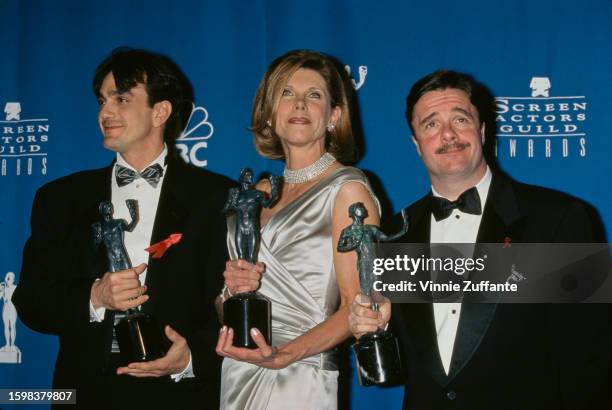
(193, 139)
(363, 73)
(9, 352)
(541, 125)
(22, 143)
(539, 86)
(12, 111)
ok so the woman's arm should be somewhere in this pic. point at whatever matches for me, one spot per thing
(334, 329)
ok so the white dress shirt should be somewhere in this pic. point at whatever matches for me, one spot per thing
(148, 198)
(459, 227)
(140, 238)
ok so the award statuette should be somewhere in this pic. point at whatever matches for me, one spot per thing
(244, 311)
(138, 334)
(377, 353)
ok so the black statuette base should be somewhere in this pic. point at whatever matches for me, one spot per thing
(378, 359)
(140, 338)
(244, 311)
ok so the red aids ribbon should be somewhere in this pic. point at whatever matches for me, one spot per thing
(507, 241)
(158, 249)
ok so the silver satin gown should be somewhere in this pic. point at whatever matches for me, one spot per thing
(300, 281)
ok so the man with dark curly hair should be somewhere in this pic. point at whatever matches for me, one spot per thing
(67, 287)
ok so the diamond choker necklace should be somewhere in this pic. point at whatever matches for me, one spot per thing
(298, 176)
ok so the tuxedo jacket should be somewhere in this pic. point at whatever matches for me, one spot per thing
(61, 262)
(510, 356)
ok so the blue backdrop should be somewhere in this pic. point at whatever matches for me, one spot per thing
(547, 62)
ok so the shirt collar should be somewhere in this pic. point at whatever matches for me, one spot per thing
(482, 187)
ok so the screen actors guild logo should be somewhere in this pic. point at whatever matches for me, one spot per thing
(194, 137)
(541, 125)
(12, 111)
(363, 73)
(22, 143)
(539, 86)
(9, 353)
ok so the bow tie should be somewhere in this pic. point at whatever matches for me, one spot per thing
(150, 174)
(468, 202)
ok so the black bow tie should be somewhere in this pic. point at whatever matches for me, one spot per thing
(468, 202)
(150, 174)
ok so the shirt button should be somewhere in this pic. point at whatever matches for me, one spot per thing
(457, 216)
(137, 185)
(454, 311)
(451, 395)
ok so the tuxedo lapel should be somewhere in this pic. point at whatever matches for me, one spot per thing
(473, 325)
(172, 208)
(501, 222)
(98, 190)
(501, 218)
(419, 222)
(171, 217)
(418, 317)
(100, 185)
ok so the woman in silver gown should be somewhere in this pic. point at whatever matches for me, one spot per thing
(301, 116)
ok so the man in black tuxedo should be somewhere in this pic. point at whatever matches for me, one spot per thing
(489, 356)
(66, 287)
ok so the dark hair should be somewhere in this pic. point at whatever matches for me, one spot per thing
(162, 78)
(442, 80)
(340, 141)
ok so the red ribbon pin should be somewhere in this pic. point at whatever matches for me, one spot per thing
(507, 241)
(157, 250)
